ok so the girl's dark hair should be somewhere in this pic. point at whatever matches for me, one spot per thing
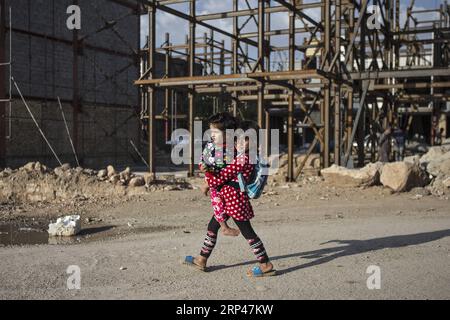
(223, 121)
(248, 124)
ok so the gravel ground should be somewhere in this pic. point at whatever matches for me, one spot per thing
(321, 239)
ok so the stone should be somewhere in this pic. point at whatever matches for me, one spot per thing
(89, 172)
(68, 226)
(137, 182)
(79, 170)
(446, 182)
(111, 171)
(402, 176)
(66, 167)
(420, 191)
(125, 176)
(343, 177)
(149, 179)
(412, 159)
(172, 188)
(114, 179)
(40, 167)
(436, 161)
(102, 174)
(440, 166)
(58, 171)
(29, 167)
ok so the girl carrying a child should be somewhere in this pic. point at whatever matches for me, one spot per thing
(235, 203)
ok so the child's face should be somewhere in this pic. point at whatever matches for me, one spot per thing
(242, 144)
(217, 135)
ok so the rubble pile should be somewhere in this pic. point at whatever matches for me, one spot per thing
(437, 163)
(431, 170)
(35, 183)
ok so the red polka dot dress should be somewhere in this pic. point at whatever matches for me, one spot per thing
(237, 204)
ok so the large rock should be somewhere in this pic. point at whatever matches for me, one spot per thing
(343, 177)
(65, 227)
(437, 161)
(402, 176)
(440, 167)
(440, 186)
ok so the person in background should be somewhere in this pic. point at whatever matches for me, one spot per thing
(385, 145)
(439, 137)
(400, 140)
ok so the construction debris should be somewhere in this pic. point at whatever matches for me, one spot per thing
(35, 183)
(437, 161)
(65, 227)
(431, 170)
(340, 176)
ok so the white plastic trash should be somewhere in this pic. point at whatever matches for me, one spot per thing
(65, 227)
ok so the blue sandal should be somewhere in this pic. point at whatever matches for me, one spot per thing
(189, 260)
(256, 272)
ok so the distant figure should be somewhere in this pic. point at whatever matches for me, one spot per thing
(385, 145)
(439, 137)
(399, 136)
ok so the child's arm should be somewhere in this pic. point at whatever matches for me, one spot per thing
(204, 188)
(228, 173)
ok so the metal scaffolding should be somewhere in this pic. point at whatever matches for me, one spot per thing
(355, 73)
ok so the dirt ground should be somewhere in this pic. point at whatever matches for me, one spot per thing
(321, 240)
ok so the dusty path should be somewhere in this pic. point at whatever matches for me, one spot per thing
(408, 239)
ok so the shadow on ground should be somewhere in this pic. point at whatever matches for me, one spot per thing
(347, 248)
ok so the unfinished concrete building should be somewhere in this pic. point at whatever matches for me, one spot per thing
(352, 68)
(91, 70)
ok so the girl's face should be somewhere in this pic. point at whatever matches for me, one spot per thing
(242, 144)
(217, 135)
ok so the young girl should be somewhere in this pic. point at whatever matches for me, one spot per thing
(237, 205)
(214, 159)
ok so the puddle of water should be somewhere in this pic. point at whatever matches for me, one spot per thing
(11, 235)
(14, 235)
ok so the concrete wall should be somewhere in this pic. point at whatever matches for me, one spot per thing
(43, 67)
(105, 135)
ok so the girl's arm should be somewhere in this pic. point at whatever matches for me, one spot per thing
(228, 173)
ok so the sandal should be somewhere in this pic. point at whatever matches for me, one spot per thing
(256, 272)
(189, 260)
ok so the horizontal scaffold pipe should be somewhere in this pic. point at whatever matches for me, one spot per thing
(230, 78)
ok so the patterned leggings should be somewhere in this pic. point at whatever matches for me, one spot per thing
(218, 206)
(247, 231)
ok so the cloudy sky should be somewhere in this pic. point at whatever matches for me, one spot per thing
(178, 28)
